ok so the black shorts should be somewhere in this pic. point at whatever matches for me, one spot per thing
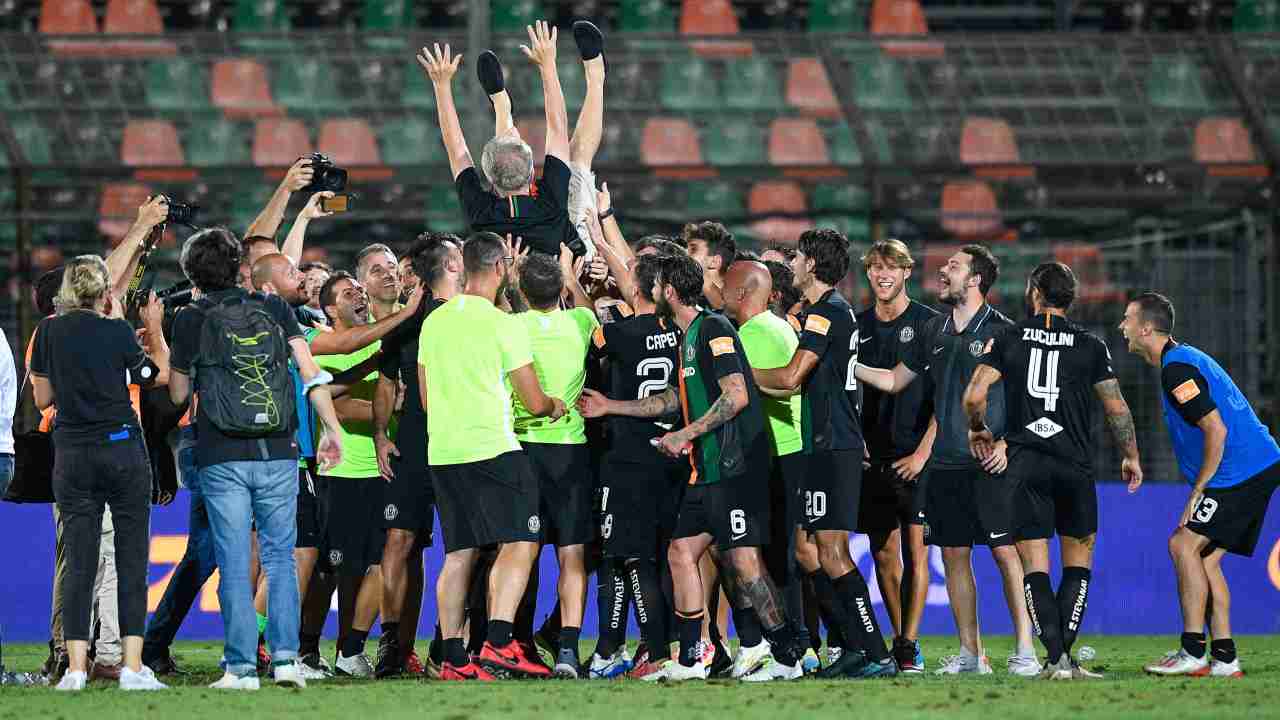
(639, 503)
(735, 512)
(1051, 497)
(313, 499)
(888, 501)
(487, 502)
(353, 524)
(832, 490)
(565, 492)
(785, 494)
(1232, 517)
(966, 507)
(410, 497)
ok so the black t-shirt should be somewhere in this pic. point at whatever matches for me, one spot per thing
(643, 353)
(893, 424)
(1192, 401)
(829, 413)
(399, 361)
(541, 218)
(949, 358)
(212, 445)
(90, 361)
(1049, 366)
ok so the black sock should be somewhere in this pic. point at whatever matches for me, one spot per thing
(455, 653)
(499, 634)
(793, 599)
(353, 643)
(1223, 650)
(690, 629)
(1193, 643)
(747, 624)
(612, 600)
(650, 606)
(435, 651)
(1073, 600)
(569, 639)
(831, 612)
(308, 643)
(391, 630)
(783, 645)
(851, 591)
(1042, 605)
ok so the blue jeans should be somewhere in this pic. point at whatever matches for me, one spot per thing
(195, 567)
(6, 473)
(266, 492)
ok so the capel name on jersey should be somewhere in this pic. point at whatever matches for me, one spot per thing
(1048, 337)
(661, 342)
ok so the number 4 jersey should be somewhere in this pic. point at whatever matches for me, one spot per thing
(1049, 366)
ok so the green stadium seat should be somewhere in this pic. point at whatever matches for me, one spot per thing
(841, 198)
(416, 90)
(526, 87)
(246, 204)
(714, 199)
(880, 84)
(1256, 16)
(444, 210)
(386, 16)
(215, 142)
(689, 84)
(842, 146)
(307, 84)
(657, 16)
(1173, 83)
(34, 140)
(734, 142)
(857, 228)
(261, 16)
(514, 15)
(411, 141)
(838, 16)
(881, 140)
(176, 84)
(752, 84)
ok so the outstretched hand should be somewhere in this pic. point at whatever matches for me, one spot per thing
(440, 65)
(541, 49)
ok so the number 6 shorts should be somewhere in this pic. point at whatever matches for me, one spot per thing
(832, 490)
(734, 511)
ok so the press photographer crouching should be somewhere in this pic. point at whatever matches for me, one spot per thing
(85, 358)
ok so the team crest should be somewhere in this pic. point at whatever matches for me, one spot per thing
(908, 333)
(534, 524)
(335, 557)
(689, 353)
(975, 348)
(390, 512)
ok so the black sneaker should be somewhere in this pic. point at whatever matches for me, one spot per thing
(163, 665)
(390, 662)
(589, 39)
(489, 72)
(722, 663)
(850, 661)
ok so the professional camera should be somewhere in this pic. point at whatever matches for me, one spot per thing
(176, 295)
(182, 213)
(327, 177)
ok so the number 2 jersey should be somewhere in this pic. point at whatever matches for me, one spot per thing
(1049, 366)
(642, 354)
(828, 411)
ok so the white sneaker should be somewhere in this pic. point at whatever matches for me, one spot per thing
(235, 682)
(315, 667)
(960, 665)
(1180, 663)
(673, 671)
(833, 655)
(771, 669)
(141, 680)
(749, 660)
(706, 651)
(358, 666)
(1061, 670)
(614, 666)
(72, 681)
(290, 674)
(1221, 669)
(1027, 666)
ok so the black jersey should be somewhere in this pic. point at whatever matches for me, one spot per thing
(1049, 366)
(829, 417)
(893, 424)
(399, 359)
(643, 353)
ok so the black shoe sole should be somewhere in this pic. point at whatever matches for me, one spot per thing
(489, 73)
(589, 39)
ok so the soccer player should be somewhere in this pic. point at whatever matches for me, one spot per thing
(822, 371)
(1053, 370)
(966, 501)
(712, 245)
(485, 491)
(726, 502)
(770, 342)
(408, 514)
(1233, 464)
(899, 431)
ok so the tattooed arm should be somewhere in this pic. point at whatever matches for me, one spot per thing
(1120, 422)
(593, 405)
(981, 442)
(733, 398)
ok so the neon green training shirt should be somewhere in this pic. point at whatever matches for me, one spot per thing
(769, 342)
(359, 457)
(560, 340)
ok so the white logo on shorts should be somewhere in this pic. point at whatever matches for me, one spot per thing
(907, 335)
(335, 557)
(975, 348)
(534, 524)
(391, 512)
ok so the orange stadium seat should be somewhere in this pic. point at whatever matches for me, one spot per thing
(118, 208)
(154, 144)
(712, 17)
(70, 17)
(799, 141)
(809, 89)
(135, 17)
(673, 141)
(1226, 140)
(989, 142)
(969, 210)
(1085, 260)
(902, 17)
(351, 143)
(278, 143)
(778, 196)
(240, 89)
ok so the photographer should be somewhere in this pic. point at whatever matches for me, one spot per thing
(245, 451)
(100, 459)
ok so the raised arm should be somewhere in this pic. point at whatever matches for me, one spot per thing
(267, 223)
(541, 51)
(1120, 423)
(440, 67)
(123, 260)
(293, 243)
(614, 249)
(571, 270)
(348, 340)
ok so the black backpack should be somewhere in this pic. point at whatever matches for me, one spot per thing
(242, 368)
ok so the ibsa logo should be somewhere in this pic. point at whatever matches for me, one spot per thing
(1273, 565)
